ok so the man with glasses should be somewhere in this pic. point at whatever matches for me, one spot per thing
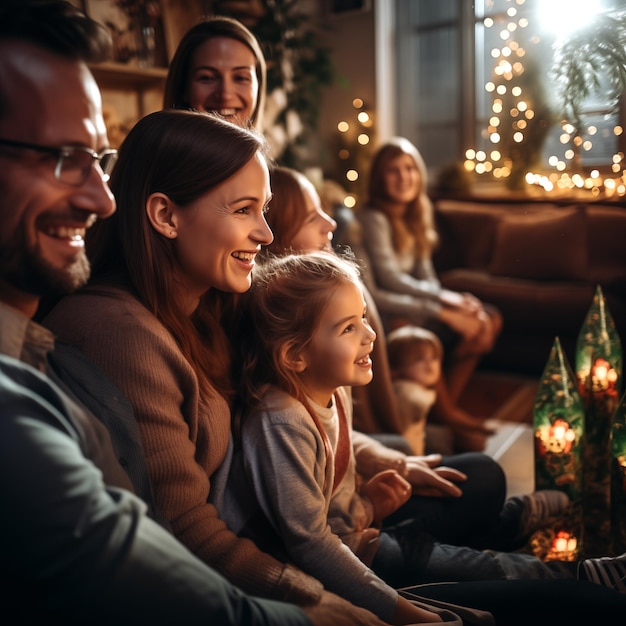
(77, 546)
(53, 171)
(73, 163)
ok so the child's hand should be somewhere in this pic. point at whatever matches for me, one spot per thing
(428, 478)
(366, 550)
(387, 491)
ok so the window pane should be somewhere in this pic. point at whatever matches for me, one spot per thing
(428, 13)
(429, 78)
(443, 103)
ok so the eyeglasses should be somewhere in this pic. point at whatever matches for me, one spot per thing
(74, 163)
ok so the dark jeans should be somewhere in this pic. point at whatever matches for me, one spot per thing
(460, 539)
(468, 520)
(535, 602)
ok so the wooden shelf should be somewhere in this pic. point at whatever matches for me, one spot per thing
(128, 93)
(129, 76)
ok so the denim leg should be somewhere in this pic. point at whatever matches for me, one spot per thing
(518, 566)
(406, 557)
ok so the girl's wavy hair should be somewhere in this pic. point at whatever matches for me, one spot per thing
(420, 215)
(177, 83)
(279, 316)
(184, 155)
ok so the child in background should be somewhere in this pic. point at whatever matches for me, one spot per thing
(309, 340)
(415, 358)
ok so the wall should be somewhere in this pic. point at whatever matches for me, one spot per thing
(128, 91)
(351, 38)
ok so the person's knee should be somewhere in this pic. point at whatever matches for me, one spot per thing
(484, 476)
(485, 340)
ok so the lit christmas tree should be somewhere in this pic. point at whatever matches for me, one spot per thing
(520, 117)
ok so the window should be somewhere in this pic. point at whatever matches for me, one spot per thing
(474, 80)
(429, 78)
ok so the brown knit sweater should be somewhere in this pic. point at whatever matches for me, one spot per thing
(185, 436)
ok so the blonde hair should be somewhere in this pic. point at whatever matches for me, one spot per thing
(418, 224)
(408, 344)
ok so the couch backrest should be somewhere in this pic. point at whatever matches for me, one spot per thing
(533, 240)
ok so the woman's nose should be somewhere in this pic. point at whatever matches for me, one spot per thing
(263, 233)
(330, 223)
(225, 88)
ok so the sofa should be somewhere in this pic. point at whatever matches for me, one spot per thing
(540, 262)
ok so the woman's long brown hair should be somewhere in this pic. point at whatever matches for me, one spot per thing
(183, 155)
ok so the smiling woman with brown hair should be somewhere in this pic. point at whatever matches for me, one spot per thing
(219, 67)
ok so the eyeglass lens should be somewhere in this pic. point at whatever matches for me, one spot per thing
(74, 166)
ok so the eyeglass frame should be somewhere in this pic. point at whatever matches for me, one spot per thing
(64, 152)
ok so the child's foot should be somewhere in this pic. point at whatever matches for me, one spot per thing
(607, 571)
(538, 509)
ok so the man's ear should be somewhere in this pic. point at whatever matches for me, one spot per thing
(161, 212)
(293, 357)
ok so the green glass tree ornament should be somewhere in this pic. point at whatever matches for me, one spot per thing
(618, 478)
(599, 374)
(558, 422)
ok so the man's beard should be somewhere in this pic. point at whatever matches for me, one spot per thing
(27, 270)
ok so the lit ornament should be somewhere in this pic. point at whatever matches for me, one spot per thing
(558, 422)
(598, 370)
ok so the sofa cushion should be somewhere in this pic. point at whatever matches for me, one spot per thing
(606, 234)
(527, 305)
(468, 230)
(543, 246)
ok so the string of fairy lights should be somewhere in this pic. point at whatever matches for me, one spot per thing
(509, 67)
(354, 137)
(512, 113)
(561, 179)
